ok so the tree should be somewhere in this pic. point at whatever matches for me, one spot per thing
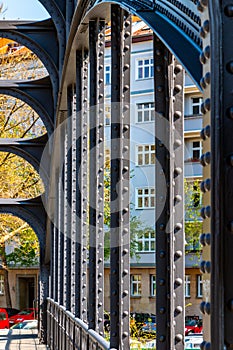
(193, 222)
(18, 179)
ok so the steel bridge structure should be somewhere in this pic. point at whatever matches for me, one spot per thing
(191, 35)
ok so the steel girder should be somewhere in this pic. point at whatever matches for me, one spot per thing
(37, 94)
(177, 24)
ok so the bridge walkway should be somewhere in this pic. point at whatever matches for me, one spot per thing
(20, 340)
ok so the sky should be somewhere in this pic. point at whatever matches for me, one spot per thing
(23, 9)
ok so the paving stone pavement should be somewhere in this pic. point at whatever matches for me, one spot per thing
(19, 339)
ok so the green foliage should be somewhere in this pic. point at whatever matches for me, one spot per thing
(193, 222)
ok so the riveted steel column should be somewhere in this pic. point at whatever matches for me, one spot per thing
(178, 252)
(96, 180)
(55, 241)
(61, 221)
(81, 184)
(226, 167)
(67, 198)
(120, 121)
(215, 278)
(169, 199)
(75, 264)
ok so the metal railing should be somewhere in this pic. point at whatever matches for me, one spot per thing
(68, 332)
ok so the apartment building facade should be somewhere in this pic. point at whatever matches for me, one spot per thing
(142, 183)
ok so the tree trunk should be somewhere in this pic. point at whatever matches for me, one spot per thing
(6, 279)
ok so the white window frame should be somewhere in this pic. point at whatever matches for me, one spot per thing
(187, 286)
(144, 153)
(136, 281)
(199, 286)
(142, 65)
(196, 148)
(107, 74)
(143, 110)
(153, 285)
(2, 287)
(150, 197)
(147, 241)
(196, 104)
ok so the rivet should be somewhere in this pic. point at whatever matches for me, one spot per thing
(177, 115)
(178, 337)
(208, 238)
(207, 308)
(158, 68)
(202, 58)
(203, 239)
(178, 171)
(125, 334)
(162, 227)
(230, 67)
(158, 52)
(230, 226)
(178, 309)
(162, 310)
(178, 199)
(202, 307)
(207, 78)
(178, 254)
(208, 266)
(230, 305)
(160, 88)
(162, 254)
(178, 227)
(178, 69)
(200, 8)
(202, 345)
(207, 346)
(206, 26)
(228, 10)
(202, 83)
(177, 88)
(178, 282)
(162, 282)
(207, 52)
(230, 112)
(162, 338)
(202, 266)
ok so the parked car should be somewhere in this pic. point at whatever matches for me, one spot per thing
(4, 319)
(193, 326)
(28, 324)
(11, 311)
(26, 314)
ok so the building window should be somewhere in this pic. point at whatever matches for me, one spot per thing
(107, 75)
(196, 105)
(2, 289)
(153, 285)
(136, 285)
(145, 68)
(107, 115)
(145, 112)
(145, 198)
(196, 150)
(146, 242)
(187, 286)
(199, 286)
(145, 154)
